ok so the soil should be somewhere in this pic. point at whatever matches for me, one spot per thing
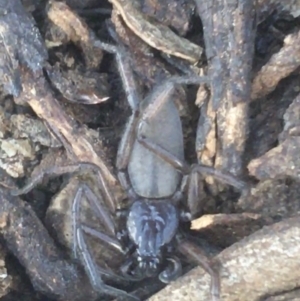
(63, 101)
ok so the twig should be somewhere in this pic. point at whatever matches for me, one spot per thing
(229, 38)
(155, 34)
(39, 96)
(281, 65)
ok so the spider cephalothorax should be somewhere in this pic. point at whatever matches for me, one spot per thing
(151, 226)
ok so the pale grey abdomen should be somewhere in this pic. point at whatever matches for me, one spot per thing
(150, 176)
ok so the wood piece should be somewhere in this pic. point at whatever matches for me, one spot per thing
(26, 237)
(155, 34)
(76, 139)
(267, 6)
(281, 65)
(214, 227)
(20, 43)
(76, 30)
(265, 263)
(229, 38)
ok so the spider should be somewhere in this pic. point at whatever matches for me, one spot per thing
(158, 182)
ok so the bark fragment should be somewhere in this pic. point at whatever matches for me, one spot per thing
(77, 140)
(20, 43)
(229, 36)
(155, 34)
(269, 256)
(27, 239)
(281, 65)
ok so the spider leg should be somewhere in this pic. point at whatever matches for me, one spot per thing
(70, 168)
(173, 270)
(92, 271)
(124, 68)
(196, 254)
(129, 136)
(124, 153)
(91, 268)
(178, 164)
(192, 172)
(100, 211)
(186, 169)
(51, 171)
(159, 97)
(162, 93)
(221, 176)
(226, 178)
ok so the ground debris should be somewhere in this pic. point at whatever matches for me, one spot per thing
(20, 43)
(48, 271)
(292, 6)
(17, 148)
(279, 66)
(291, 119)
(282, 159)
(154, 33)
(74, 29)
(230, 52)
(39, 96)
(6, 280)
(232, 226)
(264, 251)
(81, 87)
(177, 15)
(73, 109)
(273, 199)
(288, 296)
(34, 129)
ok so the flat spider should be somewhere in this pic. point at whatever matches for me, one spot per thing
(158, 182)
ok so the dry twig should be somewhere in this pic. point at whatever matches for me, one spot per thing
(281, 65)
(284, 158)
(39, 96)
(229, 36)
(155, 34)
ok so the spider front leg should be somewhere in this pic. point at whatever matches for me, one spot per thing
(192, 172)
(186, 169)
(70, 168)
(160, 96)
(92, 269)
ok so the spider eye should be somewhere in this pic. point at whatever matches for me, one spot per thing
(148, 266)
